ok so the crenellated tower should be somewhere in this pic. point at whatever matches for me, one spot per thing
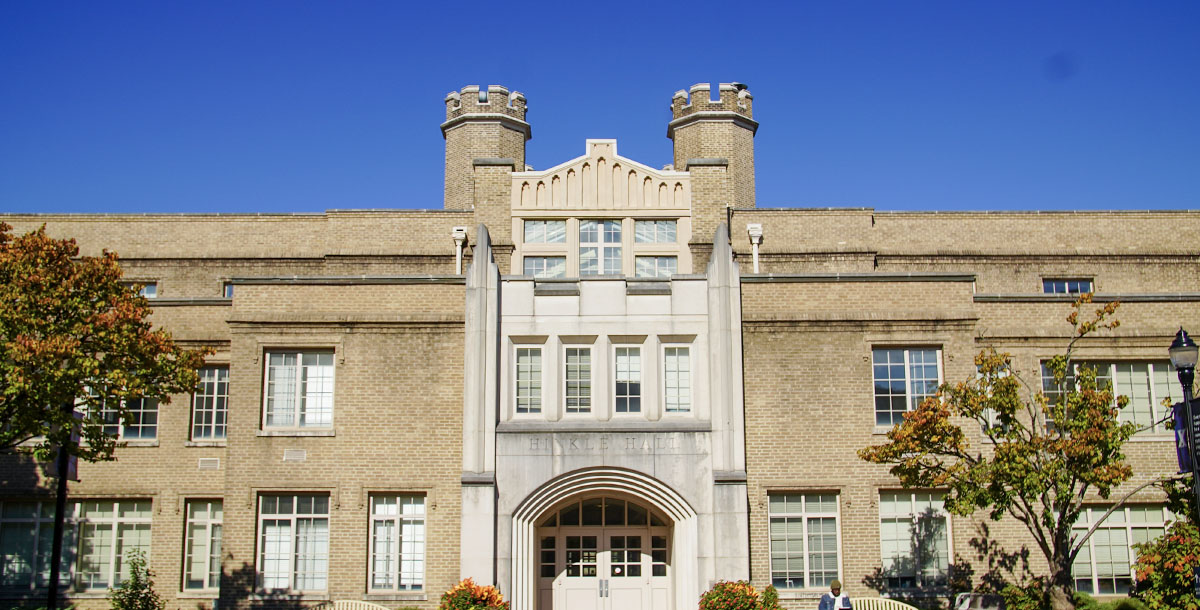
(484, 128)
(714, 141)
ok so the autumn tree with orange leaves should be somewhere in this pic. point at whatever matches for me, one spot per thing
(72, 334)
(1038, 457)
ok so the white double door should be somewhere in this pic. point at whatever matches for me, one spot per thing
(604, 569)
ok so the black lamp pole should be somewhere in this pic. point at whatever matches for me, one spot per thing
(1183, 356)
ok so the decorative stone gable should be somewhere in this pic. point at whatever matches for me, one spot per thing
(601, 180)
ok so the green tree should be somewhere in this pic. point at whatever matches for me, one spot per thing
(1164, 565)
(1040, 455)
(71, 332)
(136, 591)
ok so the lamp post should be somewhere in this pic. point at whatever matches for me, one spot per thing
(1183, 357)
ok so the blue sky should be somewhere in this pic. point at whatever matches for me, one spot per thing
(300, 106)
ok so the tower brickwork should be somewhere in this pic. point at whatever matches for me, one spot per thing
(481, 123)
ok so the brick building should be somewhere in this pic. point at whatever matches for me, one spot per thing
(598, 385)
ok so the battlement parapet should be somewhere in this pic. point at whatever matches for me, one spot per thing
(732, 97)
(493, 99)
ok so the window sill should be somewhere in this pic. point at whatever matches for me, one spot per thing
(800, 593)
(1154, 437)
(198, 594)
(146, 443)
(263, 596)
(415, 596)
(204, 443)
(328, 432)
(881, 430)
(93, 594)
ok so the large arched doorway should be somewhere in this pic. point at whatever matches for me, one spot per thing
(603, 539)
(603, 552)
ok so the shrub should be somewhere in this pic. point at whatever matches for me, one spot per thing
(467, 595)
(137, 589)
(740, 595)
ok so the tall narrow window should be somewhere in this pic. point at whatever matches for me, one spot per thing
(293, 542)
(26, 536)
(397, 543)
(202, 558)
(677, 379)
(599, 247)
(108, 530)
(903, 378)
(804, 540)
(529, 380)
(914, 539)
(1103, 566)
(210, 404)
(579, 379)
(299, 390)
(628, 381)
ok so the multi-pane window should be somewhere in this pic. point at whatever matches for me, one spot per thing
(299, 390)
(1102, 566)
(578, 379)
(210, 404)
(202, 558)
(903, 378)
(140, 424)
(599, 247)
(677, 379)
(654, 231)
(108, 531)
(26, 535)
(804, 540)
(914, 539)
(628, 380)
(1146, 384)
(528, 380)
(545, 231)
(145, 289)
(1066, 285)
(397, 543)
(655, 266)
(293, 549)
(545, 266)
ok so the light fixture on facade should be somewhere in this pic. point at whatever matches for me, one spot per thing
(755, 231)
(460, 240)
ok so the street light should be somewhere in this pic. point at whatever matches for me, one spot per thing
(1183, 357)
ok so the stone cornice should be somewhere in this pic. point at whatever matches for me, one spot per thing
(828, 278)
(505, 120)
(712, 115)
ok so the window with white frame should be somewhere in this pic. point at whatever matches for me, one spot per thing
(202, 556)
(1102, 566)
(1147, 384)
(26, 536)
(903, 378)
(528, 379)
(545, 231)
(397, 542)
(299, 390)
(545, 266)
(804, 540)
(1066, 285)
(654, 231)
(210, 404)
(677, 379)
(148, 289)
(140, 423)
(599, 247)
(108, 530)
(293, 548)
(578, 377)
(914, 539)
(655, 266)
(627, 382)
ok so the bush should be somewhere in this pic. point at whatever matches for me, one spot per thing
(137, 589)
(467, 595)
(740, 595)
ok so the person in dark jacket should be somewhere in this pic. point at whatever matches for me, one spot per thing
(834, 600)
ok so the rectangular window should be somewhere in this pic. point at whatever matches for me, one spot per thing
(914, 539)
(599, 247)
(202, 559)
(628, 380)
(227, 290)
(804, 540)
(299, 390)
(1066, 286)
(147, 289)
(210, 404)
(108, 530)
(1103, 564)
(903, 378)
(26, 535)
(140, 425)
(545, 266)
(293, 547)
(1146, 384)
(545, 231)
(529, 379)
(578, 379)
(654, 231)
(677, 379)
(397, 543)
(655, 266)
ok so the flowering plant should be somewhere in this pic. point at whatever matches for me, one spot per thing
(739, 595)
(467, 595)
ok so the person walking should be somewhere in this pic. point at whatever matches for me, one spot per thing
(834, 600)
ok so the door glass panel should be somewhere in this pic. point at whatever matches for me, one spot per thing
(581, 556)
(625, 556)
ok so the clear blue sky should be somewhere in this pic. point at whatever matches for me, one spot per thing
(257, 106)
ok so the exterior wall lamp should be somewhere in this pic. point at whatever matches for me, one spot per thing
(460, 239)
(1183, 357)
(755, 231)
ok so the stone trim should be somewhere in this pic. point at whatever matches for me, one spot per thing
(552, 289)
(656, 286)
(478, 479)
(348, 280)
(611, 426)
(510, 122)
(712, 115)
(1182, 297)
(729, 477)
(706, 162)
(191, 302)
(495, 162)
(829, 278)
